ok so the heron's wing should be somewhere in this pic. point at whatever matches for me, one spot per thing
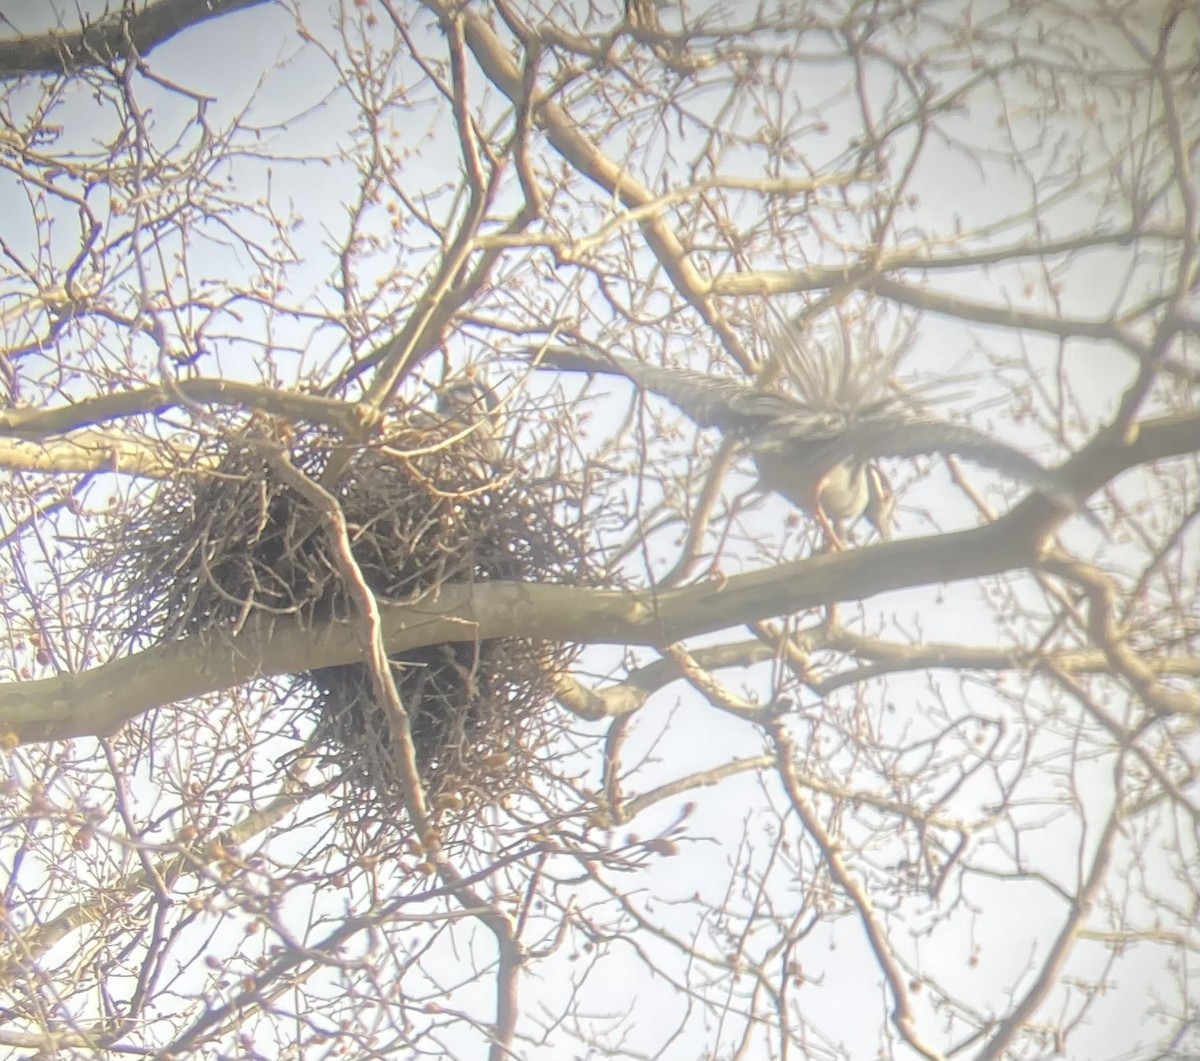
(902, 437)
(710, 401)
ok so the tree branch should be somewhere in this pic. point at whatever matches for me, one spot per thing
(31, 423)
(109, 38)
(100, 700)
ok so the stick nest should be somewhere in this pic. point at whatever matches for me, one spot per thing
(424, 508)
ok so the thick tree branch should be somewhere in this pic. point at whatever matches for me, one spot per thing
(100, 700)
(31, 423)
(93, 451)
(109, 38)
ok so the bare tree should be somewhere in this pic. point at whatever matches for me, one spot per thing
(389, 674)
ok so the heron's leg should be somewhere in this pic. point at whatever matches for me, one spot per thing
(836, 542)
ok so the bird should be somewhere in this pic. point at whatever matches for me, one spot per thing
(853, 489)
(472, 410)
(459, 444)
(820, 458)
(466, 399)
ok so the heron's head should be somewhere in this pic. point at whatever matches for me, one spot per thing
(465, 399)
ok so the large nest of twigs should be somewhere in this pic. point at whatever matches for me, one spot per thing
(424, 508)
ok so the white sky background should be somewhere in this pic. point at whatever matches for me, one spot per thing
(285, 87)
